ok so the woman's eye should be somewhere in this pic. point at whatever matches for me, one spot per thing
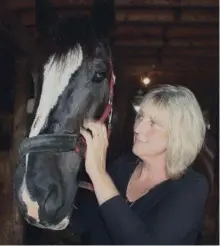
(99, 77)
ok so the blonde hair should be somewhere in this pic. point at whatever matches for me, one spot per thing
(186, 125)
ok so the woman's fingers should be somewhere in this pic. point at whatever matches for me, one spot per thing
(96, 138)
(98, 129)
(92, 127)
(86, 135)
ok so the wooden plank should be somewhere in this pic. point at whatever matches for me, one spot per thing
(121, 30)
(184, 43)
(169, 31)
(145, 15)
(166, 25)
(189, 52)
(192, 71)
(177, 69)
(207, 64)
(140, 42)
(21, 4)
(200, 43)
(194, 32)
(167, 3)
(167, 15)
(210, 16)
(174, 65)
(136, 51)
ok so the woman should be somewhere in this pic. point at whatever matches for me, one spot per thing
(152, 196)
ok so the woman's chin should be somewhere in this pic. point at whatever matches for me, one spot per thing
(136, 150)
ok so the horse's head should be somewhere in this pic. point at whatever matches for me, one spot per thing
(76, 84)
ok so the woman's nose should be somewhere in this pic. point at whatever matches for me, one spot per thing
(138, 127)
(141, 127)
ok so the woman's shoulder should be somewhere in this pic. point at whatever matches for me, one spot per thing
(194, 178)
(193, 183)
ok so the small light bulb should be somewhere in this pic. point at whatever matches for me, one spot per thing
(146, 80)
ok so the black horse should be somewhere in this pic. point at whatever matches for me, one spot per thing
(77, 84)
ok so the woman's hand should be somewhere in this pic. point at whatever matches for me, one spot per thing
(97, 144)
(95, 163)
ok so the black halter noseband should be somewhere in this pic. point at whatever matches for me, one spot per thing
(64, 142)
(50, 143)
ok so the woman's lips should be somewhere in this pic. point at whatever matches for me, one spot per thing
(140, 141)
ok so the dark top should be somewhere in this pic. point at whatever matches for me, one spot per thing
(170, 213)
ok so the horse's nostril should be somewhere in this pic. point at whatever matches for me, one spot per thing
(31, 220)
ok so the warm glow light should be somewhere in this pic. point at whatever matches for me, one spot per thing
(146, 80)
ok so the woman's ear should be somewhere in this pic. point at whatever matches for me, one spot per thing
(103, 16)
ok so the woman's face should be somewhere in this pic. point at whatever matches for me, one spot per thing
(150, 131)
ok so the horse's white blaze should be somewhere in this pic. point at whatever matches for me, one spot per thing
(61, 226)
(32, 207)
(56, 78)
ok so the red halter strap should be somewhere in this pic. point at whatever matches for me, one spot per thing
(107, 114)
(108, 110)
(80, 146)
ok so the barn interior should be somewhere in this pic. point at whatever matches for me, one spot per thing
(166, 41)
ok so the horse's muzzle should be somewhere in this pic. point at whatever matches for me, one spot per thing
(61, 226)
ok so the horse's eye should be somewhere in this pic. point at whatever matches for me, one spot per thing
(99, 77)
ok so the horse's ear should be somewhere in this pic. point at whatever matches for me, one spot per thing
(103, 16)
(46, 18)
